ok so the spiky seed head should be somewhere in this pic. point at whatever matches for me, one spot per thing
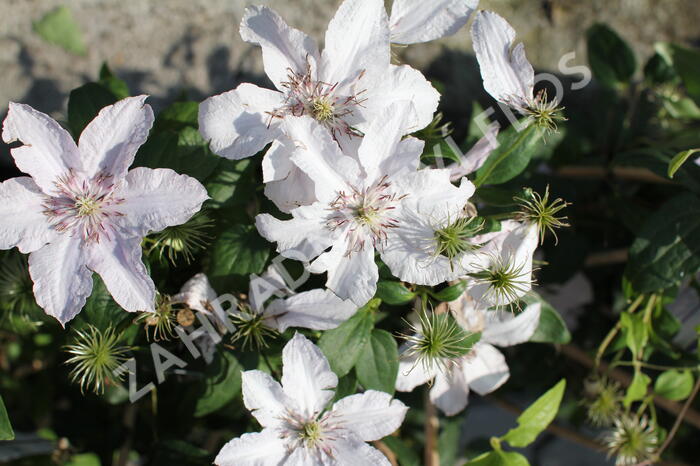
(538, 210)
(632, 440)
(454, 239)
(603, 400)
(251, 329)
(182, 240)
(507, 281)
(95, 357)
(160, 325)
(544, 114)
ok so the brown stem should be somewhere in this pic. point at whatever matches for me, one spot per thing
(386, 451)
(612, 257)
(432, 425)
(626, 173)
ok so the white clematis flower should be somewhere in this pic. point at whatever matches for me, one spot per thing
(342, 89)
(297, 429)
(271, 301)
(508, 75)
(359, 201)
(82, 211)
(415, 21)
(482, 370)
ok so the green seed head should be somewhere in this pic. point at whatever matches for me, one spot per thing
(633, 440)
(454, 239)
(251, 329)
(538, 210)
(507, 281)
(182, 240)
(545, 114)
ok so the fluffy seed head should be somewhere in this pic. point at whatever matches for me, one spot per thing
(632, 440)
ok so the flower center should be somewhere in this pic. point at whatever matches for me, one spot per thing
(366, 213)
(320, 100)
(84, 207)
(310, 433)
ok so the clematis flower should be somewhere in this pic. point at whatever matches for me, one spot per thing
(297, 429)
(359, 201)
(272, 304)
(508, 75)
(415, 21)
(81, 210)
(483, 369)
(342, 89)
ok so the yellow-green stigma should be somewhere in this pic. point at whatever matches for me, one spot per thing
(96, 356)
(310, 433)
(540, 211)
(251, 329)
(454, 239)
(87, 206)
(545, 114)
(437, 340)
(322, 109)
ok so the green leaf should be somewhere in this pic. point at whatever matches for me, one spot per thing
(84, 103)
(452, 292)
(347, 386)
(100, 309)
(674, 385)
(84, 459)
(678, 160)
(512, 155)
(378, 363)
(113, 84)
(658, 161)
(6, 432)
(233, 183)
(638, 388)
(537, 417)
(636, 332)
(394, 293)
(238, 252)
(659, 69)
(686, 62)
(667, 248)
(499, 458)
(174, 451)
(551, 328)
(343, 345)
(404, 454)
(59, 28)
(611, 59)
(177, 116)
(222, 384)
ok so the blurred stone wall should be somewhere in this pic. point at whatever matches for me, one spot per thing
(162, 47)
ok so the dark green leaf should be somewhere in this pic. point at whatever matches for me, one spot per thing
(674, 385)
(221, 385)
(552, 328)
(668, 248)
(238, 252)
(84, 103)
(378, 363)
(659, 69)
(233, 183)
(537, 417)
(177, 116)
(611, 59)
(452, 292)
(678, 160)
(6, 432)
(686, 62)
(512, 155)
(347, 386)
(113, 84)
(59, 28)
(173, 451)
(394, 293)
(658, 161)
(343, 345)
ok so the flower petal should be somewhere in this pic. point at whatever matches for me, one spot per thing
(349, 451)
(158, 198)
(307, 377)
(371, 415)
(255, 449)
(485, 368)
(284, 48)
(295, 190)
(301, 238)
(238, 123)
(315, 309)
(415, 21)
(109, 143)
(412, 374)
(477, 155)
(396, 84)
(355, 276)
(118, 262)
(24, 223)
(62, 282)
(450, 391)
(507, 74)
(503, 328)
(357, 41)
(48, 151)
(277, 162)
(379, 152)
(196, 292)
(264, 397)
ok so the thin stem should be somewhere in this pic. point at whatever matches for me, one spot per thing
(432, 425)
(657, 367)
